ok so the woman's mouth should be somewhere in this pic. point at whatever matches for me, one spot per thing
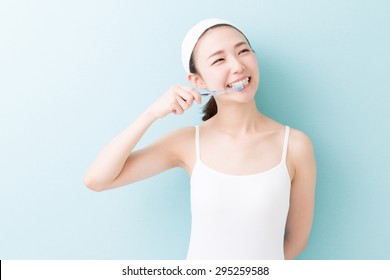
(239, 84)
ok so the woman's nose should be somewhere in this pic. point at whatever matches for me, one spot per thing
(236, 65)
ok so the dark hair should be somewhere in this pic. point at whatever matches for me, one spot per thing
(211, 108)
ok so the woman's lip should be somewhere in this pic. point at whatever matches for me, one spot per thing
(245, 85)
(240, 79)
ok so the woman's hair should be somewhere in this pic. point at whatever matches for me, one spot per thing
(211, 108)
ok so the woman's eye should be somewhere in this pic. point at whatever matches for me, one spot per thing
(243, 51)
(218, 60)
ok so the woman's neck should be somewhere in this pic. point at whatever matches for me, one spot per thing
(238, 118)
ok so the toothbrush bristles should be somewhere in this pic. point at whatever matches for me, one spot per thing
(239, 87)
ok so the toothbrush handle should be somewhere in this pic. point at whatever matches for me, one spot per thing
(215, 92)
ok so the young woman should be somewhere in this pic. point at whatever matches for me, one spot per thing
(252, 178)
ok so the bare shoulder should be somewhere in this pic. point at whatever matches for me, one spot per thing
(176, 140)
(181, 135)
(300, 151)
(299, 141)
(181, 144)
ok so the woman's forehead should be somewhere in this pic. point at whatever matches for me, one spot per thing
(218, 38)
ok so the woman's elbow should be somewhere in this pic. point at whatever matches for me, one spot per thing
(302, 246)
(294, 248)
(92, 184)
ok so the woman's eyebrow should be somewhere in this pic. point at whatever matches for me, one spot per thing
(239, 44)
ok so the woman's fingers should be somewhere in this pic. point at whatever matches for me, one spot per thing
(176, 109)
(185, 96)
(184, 104)
(194, 93)
(176, 100)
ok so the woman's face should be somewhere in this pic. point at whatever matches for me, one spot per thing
(223, 57)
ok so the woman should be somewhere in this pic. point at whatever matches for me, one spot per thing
(252, 178)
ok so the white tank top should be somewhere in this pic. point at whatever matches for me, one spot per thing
(238, 216)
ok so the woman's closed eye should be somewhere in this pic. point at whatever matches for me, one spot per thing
(244, 51)
(217, 60)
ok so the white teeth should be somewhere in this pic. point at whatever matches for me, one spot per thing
(239, 83)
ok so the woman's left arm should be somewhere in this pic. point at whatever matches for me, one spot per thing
(300, 216)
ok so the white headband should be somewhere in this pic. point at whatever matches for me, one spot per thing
(193, 36)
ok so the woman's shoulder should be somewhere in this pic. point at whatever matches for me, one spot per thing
(180, 137)
(183, 132)
(299, 139)
(300, 147)
(181, 142)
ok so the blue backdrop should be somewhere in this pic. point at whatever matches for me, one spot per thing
(73, 74)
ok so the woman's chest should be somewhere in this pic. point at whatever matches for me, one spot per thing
(241, 157)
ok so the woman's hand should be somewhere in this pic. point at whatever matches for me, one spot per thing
(176, 100)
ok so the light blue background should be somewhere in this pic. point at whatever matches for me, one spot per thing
(73, 74)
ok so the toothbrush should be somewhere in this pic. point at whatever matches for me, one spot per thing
(219, 91)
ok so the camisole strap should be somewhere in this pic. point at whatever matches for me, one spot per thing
(285, 144)
(197, 147)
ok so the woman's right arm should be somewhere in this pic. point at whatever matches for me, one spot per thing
(118, 165)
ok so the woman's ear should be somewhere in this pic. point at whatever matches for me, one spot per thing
(196, 80)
